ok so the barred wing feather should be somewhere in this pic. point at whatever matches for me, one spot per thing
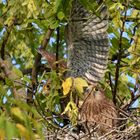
(87, 40)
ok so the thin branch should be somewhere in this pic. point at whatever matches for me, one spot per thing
(47, 2)
(119, 58)
(57, 47)
(134, 32)
(115, 56)
(42, 68)
(110, 82)
(6, 37)
(130, 102)
(23, 84)
(38, 59)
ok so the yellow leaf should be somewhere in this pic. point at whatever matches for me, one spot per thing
(16, 112)
(67, 109)
(67, 86)
(79, 84)
(23, 131)
(72, 111)
(2, 134)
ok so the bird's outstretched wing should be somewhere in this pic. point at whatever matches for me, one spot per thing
(87, 40)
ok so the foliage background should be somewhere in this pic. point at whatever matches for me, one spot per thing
(31, 93)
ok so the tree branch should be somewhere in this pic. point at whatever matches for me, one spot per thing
(130, 102)
(57, 48)
(38, 56)
(119, 58)
(110, 82)
(37, 61)
(6, 37)
(41, 69)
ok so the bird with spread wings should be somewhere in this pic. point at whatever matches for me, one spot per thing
(88, 45)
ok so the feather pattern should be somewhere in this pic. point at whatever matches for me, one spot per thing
(87, 40)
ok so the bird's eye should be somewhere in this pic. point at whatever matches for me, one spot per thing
(96, 89)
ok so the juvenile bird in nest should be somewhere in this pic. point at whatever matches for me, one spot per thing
(98, 110)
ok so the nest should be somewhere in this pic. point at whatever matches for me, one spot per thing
(128, 130)
(130, 133)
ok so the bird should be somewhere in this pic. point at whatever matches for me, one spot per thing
(88, 47)
(87, 41)
(98, 110)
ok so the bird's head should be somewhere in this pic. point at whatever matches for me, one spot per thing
(95, 92)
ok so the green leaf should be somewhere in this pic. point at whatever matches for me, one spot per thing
(91, 6)
(60, 15)
(2, 127)
(113, 6)
(9, 82)
(58, 4)
(17, 72)
(7, 129)
(26, 79)
(2, 90)
(54, 24)
(11, 130)
(18, 114)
